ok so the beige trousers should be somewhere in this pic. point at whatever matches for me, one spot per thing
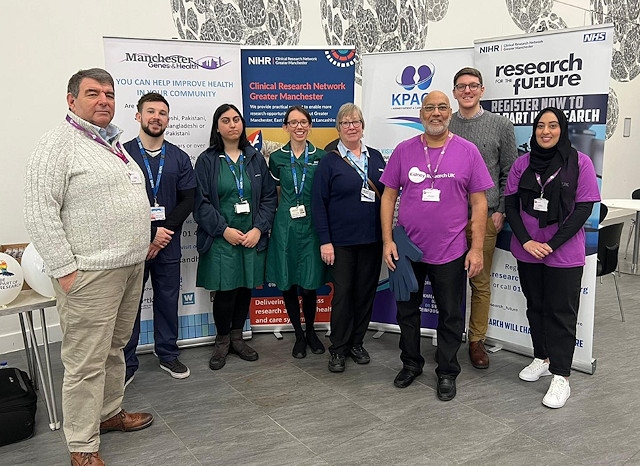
(96, 318)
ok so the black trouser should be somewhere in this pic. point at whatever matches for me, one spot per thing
(291, 303)
(553, 298)
(355, 272)
(448, 286)
(230, 309)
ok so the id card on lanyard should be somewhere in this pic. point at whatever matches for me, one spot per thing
(299, 211)
(541, 204)
(366, 194)
(242, 206)
(432, 194)
(157, 211)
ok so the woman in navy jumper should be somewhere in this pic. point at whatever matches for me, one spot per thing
(346, 215)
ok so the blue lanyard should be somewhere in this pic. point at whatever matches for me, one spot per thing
(362, 173)
(297, 190)
(154, 186)
(239, 182)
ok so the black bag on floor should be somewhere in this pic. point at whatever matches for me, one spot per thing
(17, 406)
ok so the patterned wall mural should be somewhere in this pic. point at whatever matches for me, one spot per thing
(393, 25)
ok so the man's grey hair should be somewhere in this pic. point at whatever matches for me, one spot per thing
(100, 75)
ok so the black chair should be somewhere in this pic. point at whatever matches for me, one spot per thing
(634, 195)
(608, 249)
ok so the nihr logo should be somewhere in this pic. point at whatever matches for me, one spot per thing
(594, 37)
(489, 48)
(188, 298)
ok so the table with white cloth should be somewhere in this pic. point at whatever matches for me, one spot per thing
(632, 204)
(24, 305)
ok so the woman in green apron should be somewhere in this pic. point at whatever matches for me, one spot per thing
(235, 203)
(293, 257)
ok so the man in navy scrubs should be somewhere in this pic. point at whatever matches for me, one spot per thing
(170, 187)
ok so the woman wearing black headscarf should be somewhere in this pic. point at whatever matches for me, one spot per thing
(549, 196)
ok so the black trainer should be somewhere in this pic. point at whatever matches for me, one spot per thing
(175, 368)
(359, 355)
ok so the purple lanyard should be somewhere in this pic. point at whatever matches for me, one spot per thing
(428, 159)
(114, 150)
(549, 180)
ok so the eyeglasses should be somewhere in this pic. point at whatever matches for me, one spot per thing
(431, 108)
(345, 124)
(472, 87)
(294, 123)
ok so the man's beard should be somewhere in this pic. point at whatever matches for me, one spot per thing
(433, 130)
(151, 133)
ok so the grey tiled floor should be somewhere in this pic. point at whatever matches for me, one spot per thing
(281, 410)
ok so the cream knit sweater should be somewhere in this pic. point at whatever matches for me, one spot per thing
(82, 210)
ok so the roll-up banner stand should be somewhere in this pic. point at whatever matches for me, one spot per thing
(568, 69)
(393, 86)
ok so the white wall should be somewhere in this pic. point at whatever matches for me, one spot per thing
(44, 43)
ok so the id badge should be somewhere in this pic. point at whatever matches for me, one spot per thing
(298, 211)
(135, 178)
(242, 207)
(541, 204)
(431, 195)
(367, 195)
(157, 213)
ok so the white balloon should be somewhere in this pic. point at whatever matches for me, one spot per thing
(11, 279)
(35, 272)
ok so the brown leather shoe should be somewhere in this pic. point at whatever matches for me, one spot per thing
(478, 355)
(90, 458)
(126, 422)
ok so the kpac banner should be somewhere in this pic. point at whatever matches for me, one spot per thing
(273, 80)
(393, 86)
(568, 69)
(195, 78)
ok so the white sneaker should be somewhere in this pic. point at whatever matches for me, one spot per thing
(538, 368)
(558, 392)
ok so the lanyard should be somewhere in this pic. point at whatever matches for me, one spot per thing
(549, 180)
(154, 186)
(362, 173)
(428, 159)
(297, 190)
(117, 150)
(239, 181)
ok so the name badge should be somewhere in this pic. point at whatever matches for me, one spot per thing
(135, 178)
(242, 207)
(157, 213)
(298, 211)
(431, 195)
(367, 195)
(541, 204)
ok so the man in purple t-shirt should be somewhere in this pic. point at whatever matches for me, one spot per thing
(439, 175)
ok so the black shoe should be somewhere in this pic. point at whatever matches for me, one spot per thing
(336, 362)
(128, 379)
(446, 387)
(359, 354)
(300, 347)
(314, 342)
(405, 377)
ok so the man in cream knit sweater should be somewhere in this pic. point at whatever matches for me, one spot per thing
(87, 213)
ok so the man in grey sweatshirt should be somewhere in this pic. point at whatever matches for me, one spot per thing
(494, 137)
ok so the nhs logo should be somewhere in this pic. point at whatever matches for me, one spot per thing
(188, 298)
(594, 37)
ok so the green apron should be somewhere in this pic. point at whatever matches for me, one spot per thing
(225, 267)
(293, 256)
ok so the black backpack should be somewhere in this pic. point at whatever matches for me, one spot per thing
(17, 406)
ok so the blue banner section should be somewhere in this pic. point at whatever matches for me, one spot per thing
(274, 80)
(580, 109)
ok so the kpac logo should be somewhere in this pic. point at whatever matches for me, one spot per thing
(188, 298)
(594, 37)
(420, 78)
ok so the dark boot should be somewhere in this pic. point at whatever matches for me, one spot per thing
(239, 347)
(300, 346)
(314, 342)
(220, 351)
